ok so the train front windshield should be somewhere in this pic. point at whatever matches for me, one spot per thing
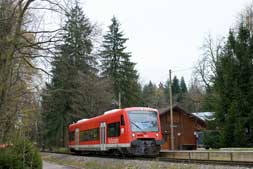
(143, 121)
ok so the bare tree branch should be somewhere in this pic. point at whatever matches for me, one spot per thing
(30, 64)
(206, 68)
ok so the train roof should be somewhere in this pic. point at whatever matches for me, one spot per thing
(112, 112)
(140, 108)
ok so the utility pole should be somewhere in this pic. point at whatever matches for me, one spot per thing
(119, 100)
(171, 115)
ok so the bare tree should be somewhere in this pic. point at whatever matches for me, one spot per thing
(212, 48)
(246, 17)
(206, 69)
(24, 43)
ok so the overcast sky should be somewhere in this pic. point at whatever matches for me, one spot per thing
(166, 34)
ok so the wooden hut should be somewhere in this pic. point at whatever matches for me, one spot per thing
(186, 127)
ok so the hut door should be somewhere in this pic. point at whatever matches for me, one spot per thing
(102, 136)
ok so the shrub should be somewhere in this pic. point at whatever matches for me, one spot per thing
(8, 159)
(211, 139)
(21, 155)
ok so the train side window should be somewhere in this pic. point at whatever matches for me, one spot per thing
(71, 136)
(122, 121)
(89, 135)
(113, 129)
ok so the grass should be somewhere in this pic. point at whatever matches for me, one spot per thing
(62, 150)
(236, 149)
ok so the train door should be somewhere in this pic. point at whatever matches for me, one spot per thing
(103, 136)
(77, 136)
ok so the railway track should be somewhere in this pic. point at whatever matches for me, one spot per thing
(165, 159)
(208, 162)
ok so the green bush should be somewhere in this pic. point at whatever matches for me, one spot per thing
(9, 160)
(21, 155)
(211, 139)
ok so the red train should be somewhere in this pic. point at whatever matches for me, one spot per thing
(132, 131)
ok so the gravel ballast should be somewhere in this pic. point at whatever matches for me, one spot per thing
(88, 162)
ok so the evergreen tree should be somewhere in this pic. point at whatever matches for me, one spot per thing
(149, 95)
(179, 90)
(183, 88)
(153, 96)
(161, 101)
(183, 91)
(175, 86)
(71, 95)
(117, 66)
(233, 88)
(167, 91)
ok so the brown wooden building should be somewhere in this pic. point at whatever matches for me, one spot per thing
(185, 125)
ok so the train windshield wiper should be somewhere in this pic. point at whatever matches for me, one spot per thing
(136, 125)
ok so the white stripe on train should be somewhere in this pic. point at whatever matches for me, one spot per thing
(98, 146)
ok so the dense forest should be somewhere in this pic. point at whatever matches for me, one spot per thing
(51, 78)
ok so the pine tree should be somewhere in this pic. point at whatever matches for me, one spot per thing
(183, 88)
(182, 91)
(71, 95)
(233, 88)
(149, 95)
(175, 86)
(179, 89)
(117, 66)
(161, 101)
(167, 91)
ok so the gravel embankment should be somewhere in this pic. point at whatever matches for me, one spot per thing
(48, 165)
(108, 163)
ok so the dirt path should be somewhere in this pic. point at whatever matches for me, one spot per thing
(47, 165)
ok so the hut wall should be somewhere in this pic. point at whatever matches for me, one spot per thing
(185, 127)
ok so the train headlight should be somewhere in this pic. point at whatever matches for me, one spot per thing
(157, 135)
(133, 135)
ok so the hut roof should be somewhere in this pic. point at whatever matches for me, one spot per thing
(177, 108)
